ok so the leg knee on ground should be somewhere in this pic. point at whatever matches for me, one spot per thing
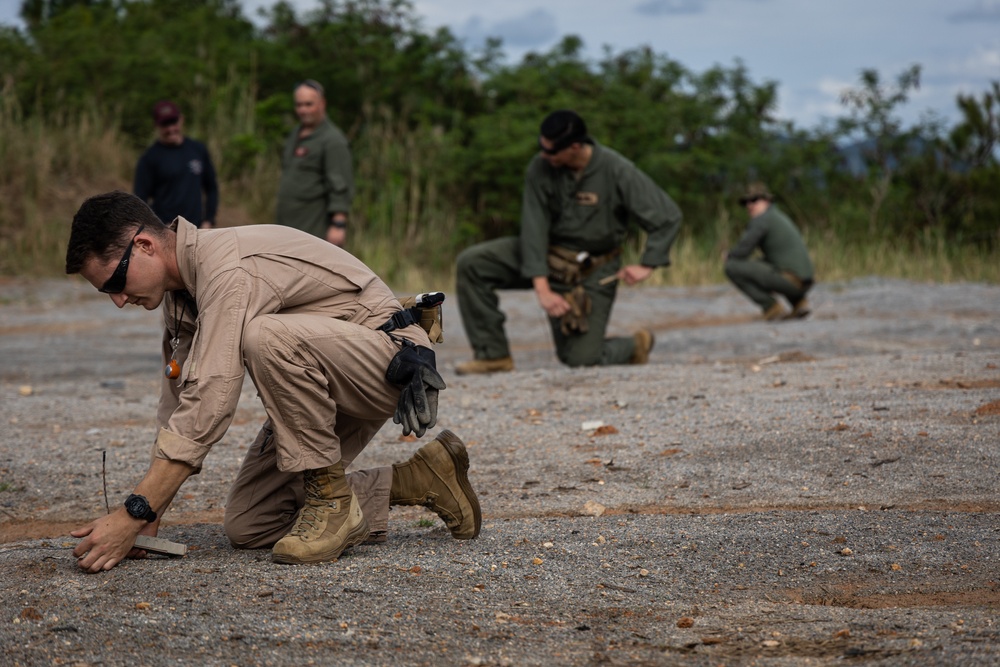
(576, 360)
(239, 531)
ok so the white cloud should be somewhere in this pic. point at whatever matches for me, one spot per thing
(833, 87)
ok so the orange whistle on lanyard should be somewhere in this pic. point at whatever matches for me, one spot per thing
(173, 370)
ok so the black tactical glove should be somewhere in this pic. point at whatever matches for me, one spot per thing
(413, 370)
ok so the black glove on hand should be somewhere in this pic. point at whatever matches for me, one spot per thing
(413, 370)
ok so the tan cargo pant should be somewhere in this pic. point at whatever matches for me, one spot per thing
(322, 383)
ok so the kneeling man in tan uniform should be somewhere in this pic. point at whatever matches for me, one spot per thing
(320, 336)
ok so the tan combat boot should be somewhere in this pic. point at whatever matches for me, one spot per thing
(482, 366)
(437, 478)
(799, 310)
(644, 341)
(329, 522)
(775, 312)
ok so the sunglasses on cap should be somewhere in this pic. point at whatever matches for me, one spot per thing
(559, 145)
(749, 200)
(116, 283)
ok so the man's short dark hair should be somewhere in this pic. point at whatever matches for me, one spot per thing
(564, 127)
(104, 225)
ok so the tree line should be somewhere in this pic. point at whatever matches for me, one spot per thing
(442, 134)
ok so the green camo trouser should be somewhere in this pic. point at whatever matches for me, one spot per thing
(760, 281)
(487, 267)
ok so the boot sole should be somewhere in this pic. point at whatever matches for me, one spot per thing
(354, 538)
(460, 459)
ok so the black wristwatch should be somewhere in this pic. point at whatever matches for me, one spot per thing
(138, 507)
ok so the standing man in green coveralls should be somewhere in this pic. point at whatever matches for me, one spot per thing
(785, 267)
(579, 197)
(317, 182)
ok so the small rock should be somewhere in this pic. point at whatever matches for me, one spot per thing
(685, 622)
(846, 551)
(25, 390)
(591, 508)
(591, 425)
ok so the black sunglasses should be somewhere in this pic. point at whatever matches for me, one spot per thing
(116, 283)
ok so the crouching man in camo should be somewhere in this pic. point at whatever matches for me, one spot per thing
(320, 336)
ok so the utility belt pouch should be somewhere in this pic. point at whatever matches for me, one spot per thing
(425, 310)
(576, 321)
(571, 267)
(568, 266)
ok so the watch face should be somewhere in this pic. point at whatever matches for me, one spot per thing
(137, 506)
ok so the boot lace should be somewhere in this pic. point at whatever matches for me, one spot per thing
(309, 515)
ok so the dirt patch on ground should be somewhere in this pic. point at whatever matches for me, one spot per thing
(858, 595)
(991, 408)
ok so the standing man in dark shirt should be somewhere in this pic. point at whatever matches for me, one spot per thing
(784, 267)
(317, 182)
(174, 173)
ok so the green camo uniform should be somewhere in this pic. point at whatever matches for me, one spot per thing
(784, 252)
(316, 179)
(591, 213)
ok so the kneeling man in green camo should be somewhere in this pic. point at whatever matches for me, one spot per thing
(579, 199)
(332, 354)
(784, 267)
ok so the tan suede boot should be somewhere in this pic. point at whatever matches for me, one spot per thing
(799, 310)
(775, 312)
(329, 522)
(437, 478)
(483, 366)
(644, 341)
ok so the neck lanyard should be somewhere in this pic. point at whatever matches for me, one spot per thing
(173, 369)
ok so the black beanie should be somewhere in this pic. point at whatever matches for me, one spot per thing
(564, 128)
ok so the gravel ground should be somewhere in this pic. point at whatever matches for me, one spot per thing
(815, 492)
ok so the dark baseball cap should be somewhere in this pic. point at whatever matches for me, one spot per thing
(755, 191)
(166, 112)
(563, 128)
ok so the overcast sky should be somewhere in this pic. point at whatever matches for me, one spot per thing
(813, 49)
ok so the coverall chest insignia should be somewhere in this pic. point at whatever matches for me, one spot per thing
(587, 198)
(301, 151)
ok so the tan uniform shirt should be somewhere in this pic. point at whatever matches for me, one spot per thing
(234, 275)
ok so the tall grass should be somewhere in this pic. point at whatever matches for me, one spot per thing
(46, 169)
(408, 223)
